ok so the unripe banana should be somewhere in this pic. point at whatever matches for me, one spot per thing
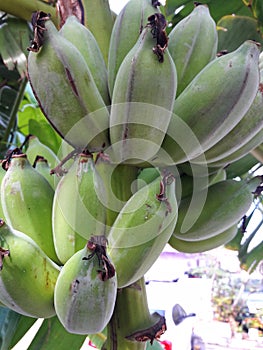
(241, 167)
(82, 38)
(86, 289)
(125, 33)
(220, 96)
(27, 275)
(27, 198)
(243, 132)
(36, 148)
(151, 210)
(193, 44)
(78, 209)
(240, 152)
(75, 109)
(41, 165)
(204, 244)
(141, 108)
(99, 19)
(226, 203)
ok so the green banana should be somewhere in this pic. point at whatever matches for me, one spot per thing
(75, 109)
(240, 152)
(27, 275)
(36, 148)
(99, 19)
(193, 44)
(125, 33)
(226, 203)
(244, 131)
(41, 165)
(27, 198)
(151, 210)
(86, 289)
(220, 94)
(241, 167)
(82, 38)
(205, 244)
(78, 209)
(141, 106)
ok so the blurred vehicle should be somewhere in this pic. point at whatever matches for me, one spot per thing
(254, 303)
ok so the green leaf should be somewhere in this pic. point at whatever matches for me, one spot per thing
(14, 38)
(32, 121)
(234, 30)
(217, 8)
(53, 336)
(98, 339)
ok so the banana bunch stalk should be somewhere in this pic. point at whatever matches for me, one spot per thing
(148, 121)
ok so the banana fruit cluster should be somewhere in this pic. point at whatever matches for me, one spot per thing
(151, 121)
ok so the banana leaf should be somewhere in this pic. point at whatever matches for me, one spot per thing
(234, 30)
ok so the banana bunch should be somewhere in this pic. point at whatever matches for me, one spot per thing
(148, 121)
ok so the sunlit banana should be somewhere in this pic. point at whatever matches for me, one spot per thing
(86, 289)
(193, 44)
(36, 148)
(68, 95)
(220, 96)
(27, 275)
(26, 198)
(78, 209)
(125, 33)
(141, 106)
(226, 203)
(99, 19)
(204, 244)
(151, 210)
(82, 38)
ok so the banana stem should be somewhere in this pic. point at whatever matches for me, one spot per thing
(24, 8)
(131, 312)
